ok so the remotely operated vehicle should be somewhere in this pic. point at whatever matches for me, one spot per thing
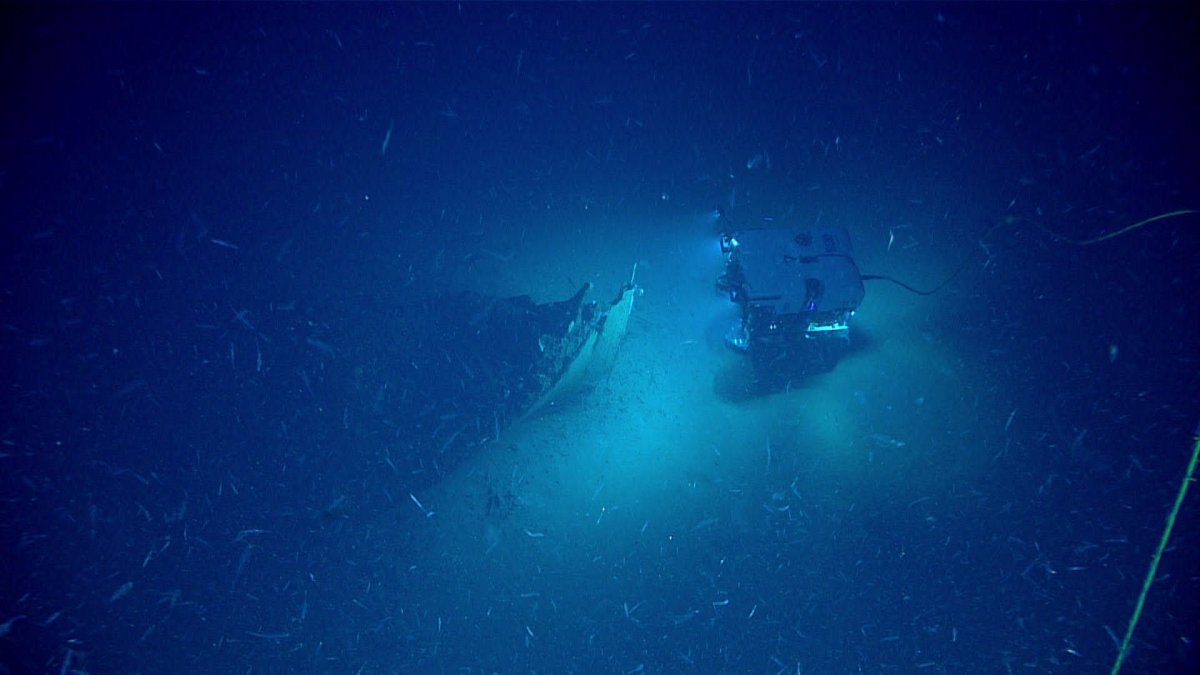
(796, 289)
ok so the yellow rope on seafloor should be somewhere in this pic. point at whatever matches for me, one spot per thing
(1162, 545)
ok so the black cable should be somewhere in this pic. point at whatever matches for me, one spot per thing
(901, 284)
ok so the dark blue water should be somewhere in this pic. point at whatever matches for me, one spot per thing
(229, 236)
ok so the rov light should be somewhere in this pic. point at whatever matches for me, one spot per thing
(728, 243)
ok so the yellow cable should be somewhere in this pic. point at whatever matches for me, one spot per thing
(1162, 545)
(1191, 470)
(1123, 230)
